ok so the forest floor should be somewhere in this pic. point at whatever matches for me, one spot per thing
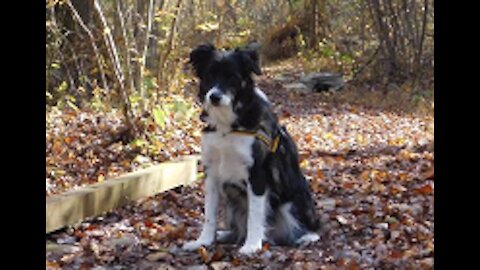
(368, 157)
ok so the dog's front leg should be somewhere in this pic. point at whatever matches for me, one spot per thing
(207, 236)
(255, 221)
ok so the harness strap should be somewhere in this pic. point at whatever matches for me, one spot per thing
(262, 136)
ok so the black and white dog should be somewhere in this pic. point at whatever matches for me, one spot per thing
(250, 160)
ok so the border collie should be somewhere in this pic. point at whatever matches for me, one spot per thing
(250, 161)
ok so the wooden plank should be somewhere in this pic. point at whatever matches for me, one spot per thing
(74, 206)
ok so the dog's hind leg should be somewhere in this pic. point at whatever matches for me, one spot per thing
(236, 213)
(225, 236)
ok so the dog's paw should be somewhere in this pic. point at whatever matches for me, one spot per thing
(194, 245)
(307, 239)
(249, 249)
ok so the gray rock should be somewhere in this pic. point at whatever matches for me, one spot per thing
(197, 267)
(221, 265)
(300, 87)
(61, 248)
(323, 81)
(282, 78)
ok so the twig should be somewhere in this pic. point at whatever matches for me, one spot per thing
(112, 49)
(369, 61)
(121, 135)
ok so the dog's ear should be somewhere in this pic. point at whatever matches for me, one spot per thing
(251, 61)
(200, 57)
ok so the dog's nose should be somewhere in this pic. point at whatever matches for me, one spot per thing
(215, 98)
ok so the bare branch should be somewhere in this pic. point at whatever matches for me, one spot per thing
(112, 48)
(126, 45)
(127, 108)
(79, 20)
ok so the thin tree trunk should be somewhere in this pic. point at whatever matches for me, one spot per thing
(385, 41)
(169, 47)
(110, 45)
(418, 57)
(151, 62)
(398, 39)
(126, 46)
(63, 59)
(143, 53)
(313, 37)
(79, 20)
(127, 109)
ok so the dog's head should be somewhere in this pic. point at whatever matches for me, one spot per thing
(226, 82)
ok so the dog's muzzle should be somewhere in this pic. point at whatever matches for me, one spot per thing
(216, 97)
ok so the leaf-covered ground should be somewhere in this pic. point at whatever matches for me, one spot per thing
(371, 170)
(86, 147)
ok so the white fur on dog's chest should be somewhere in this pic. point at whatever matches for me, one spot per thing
(227, 157)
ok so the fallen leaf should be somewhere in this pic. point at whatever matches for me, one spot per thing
(396, 254)
(216, 256)
(308, 137)
(320, 175)
(348, 185)
(220, 265)
(52, 265)
(426, 189)
(236, 262)
(429, 174)
(204, 254)
(157, 256)
(148, 223)
(342, 220)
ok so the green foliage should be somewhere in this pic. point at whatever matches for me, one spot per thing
(135, 99)
(208, 26)
(62, 87)
(138, 142)
(209, 23)
(149, 83)
(159, 116)
(97, 103)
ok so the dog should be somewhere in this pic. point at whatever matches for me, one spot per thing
(250, 161)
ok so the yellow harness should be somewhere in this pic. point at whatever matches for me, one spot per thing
(262, 136)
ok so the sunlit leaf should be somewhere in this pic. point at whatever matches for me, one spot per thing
(159, 117)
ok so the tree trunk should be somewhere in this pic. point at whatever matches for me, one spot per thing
(418, 57)
(129, 85)
(98, 57)
(314, 31)
(143, 46)
(151, 61)
(386, 44)
(168, 48)
(112, 48)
